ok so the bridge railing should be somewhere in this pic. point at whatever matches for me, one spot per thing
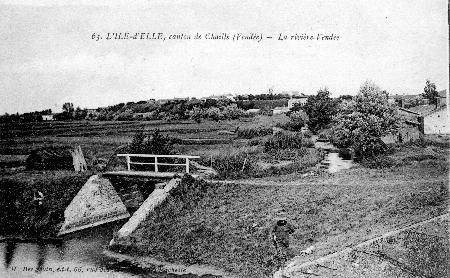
(155, 163)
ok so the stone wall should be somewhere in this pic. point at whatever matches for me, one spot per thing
(96, 203)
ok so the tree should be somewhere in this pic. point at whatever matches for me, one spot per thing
(158, 144)
(80, 114)
(154, 144)
(136, 145)
(362, 122)
(430, 92)
(320, 109)
(298, 119)
(196, 114)
(68, 110)
(68, 107)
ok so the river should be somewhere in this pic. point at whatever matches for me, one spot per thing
(76, 255)
(334, 161)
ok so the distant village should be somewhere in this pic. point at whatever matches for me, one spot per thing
(419, 114)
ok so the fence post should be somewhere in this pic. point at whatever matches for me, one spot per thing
(187, 165)
(156, 164)
(128, 162)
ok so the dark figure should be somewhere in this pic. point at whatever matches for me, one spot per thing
(38, 211)
(280, 238)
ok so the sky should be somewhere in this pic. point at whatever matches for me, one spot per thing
(48, 56)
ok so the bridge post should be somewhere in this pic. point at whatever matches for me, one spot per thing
(156, 164)
(128, 162)
(187, 165)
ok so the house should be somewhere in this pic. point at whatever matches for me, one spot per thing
(433, 119)
(48, 117)
(409, 117)
(436, 121)
(299, 99)
(441, 98)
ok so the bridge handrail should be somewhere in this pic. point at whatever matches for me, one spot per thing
(156, 156)
(159, 155)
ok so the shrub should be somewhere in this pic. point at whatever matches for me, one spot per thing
(232, 163)
(283, 141)
(298, 120)
(324, 134)
(253, 132)
(154, 144)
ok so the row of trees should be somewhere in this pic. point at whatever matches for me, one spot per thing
(35, 116)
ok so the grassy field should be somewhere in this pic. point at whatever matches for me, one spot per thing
(99, 139)
(236, 147)
(229, 226)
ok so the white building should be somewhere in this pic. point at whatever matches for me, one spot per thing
(437, 121)
(47, 117)
(302, 100)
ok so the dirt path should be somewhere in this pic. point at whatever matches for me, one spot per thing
(297, 269)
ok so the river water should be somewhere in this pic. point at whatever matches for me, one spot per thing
(76, 255)
(334, 161)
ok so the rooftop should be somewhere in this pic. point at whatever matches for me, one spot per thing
(425, 110)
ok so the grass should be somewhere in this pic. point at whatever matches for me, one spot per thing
(100, 139)
(229, 226)
(16, 191)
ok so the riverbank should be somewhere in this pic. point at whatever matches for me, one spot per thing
(229, 226)
(154, 265)
(20, 216)
(420, 250)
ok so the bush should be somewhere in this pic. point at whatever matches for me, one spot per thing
(232, 163)
(154, 144)
(283, 141)
(324, 134)
(50, 158)
(298, 120)
(249, 133)
(233, 166)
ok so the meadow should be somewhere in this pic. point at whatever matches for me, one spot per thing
(237, 148)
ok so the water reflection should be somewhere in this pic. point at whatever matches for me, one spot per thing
(82, 250)
(42, 254)
(10, 248)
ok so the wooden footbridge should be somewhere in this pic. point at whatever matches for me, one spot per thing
(156, 163)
